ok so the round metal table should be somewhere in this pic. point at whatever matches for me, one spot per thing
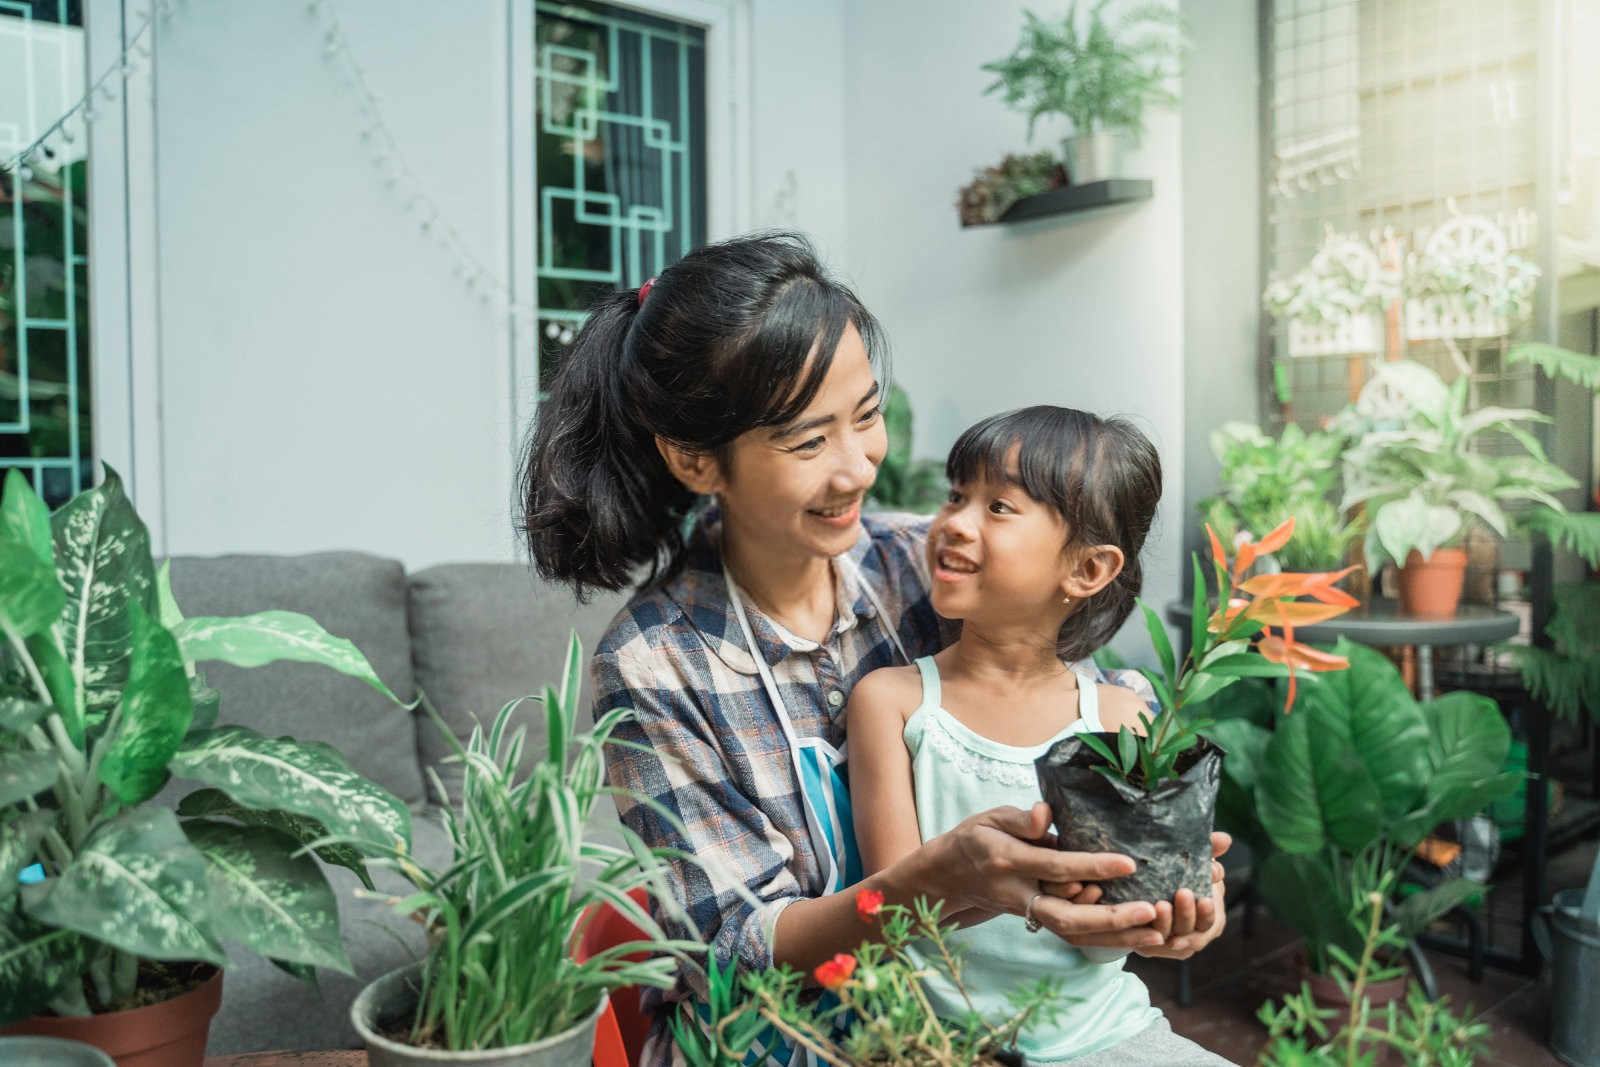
(1380, 622)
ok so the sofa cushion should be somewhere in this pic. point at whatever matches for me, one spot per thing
(352, 595)
(486, 633)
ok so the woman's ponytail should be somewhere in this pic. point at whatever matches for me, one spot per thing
(719, 345)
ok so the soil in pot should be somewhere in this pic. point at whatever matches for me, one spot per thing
(1431, 588)
(164, 1024)
(1167, 831)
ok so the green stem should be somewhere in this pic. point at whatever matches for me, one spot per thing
(100, 976)
(71, 1002)
(125, 974)
(1358, 988)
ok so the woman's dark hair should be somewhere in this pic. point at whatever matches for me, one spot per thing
(1101, 475)
(720, 345)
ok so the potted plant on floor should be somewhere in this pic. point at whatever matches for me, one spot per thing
(1348, 786)
(876, 1010)
(116, 939)
(1152, 795)
(1100, 76)
(499, 984)
(1417, 469)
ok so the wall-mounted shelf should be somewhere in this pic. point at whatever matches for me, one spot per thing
(1080, 198)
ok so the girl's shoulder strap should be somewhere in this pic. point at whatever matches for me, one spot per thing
(931, 697)
(1089, 700)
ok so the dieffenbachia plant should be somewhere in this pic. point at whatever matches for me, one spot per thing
(100, 704)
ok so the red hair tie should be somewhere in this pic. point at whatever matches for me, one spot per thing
(644, 290)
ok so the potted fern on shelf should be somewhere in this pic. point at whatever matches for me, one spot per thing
(1098, 72)
(113, 907)
(1152, 794)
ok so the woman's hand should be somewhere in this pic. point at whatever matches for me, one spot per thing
(997, 861)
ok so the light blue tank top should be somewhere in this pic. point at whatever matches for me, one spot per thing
(957, 773)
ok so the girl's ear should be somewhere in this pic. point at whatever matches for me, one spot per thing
(1091, 570)
(698, 471)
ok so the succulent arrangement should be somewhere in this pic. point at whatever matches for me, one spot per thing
(994, 189)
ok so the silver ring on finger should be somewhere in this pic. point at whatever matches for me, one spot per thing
(1029, 921)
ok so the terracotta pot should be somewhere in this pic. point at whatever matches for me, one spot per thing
(169, 1034)
(1431, 588)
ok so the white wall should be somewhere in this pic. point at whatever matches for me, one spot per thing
(1080, 310)
(326, 382)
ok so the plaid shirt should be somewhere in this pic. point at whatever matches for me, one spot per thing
(677, 657)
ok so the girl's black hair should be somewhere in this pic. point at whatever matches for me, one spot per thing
(721, 345)
(1101, 475)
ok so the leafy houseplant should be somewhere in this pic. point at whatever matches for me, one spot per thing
(1347, 786)
(994, 189)
(1152, 795)
(1420, 1031)
(1422, 477)
(498, 976)
(1100, 76)
(1265, 480)
(100, 704)
(903, 483)
(878, 1011)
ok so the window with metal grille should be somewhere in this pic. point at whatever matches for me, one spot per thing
(620, 102)
(44, 267)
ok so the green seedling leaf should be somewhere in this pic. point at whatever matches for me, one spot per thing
(1099, 748)
(1127, 749)
(1160, 642)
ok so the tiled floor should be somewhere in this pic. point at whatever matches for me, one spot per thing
(1234, 976)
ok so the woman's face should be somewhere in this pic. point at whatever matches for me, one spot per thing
(797, 489)
(996, 554)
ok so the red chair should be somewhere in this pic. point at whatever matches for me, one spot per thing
(620, 1037)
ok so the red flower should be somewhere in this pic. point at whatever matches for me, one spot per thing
(836, 972)
(868, 903)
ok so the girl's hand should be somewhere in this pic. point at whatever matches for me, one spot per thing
(1188, 925)
(996, 862)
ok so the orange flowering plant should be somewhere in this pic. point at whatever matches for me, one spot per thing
(877, 1010)
(1265, 608)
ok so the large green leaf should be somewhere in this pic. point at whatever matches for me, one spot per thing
(217, 804)
(153, 717)
(138, 885)
(266, 898)
(46, 649)
(1384, 724)
(1311, 896)
(1246, 746)
(19, 838)
(36, 962)
(25, 773)
(102, 553)
(254, 640)
(1312, 789)
(1416, 911)
(1467, 744)
(17, 714)
(30, 596)
(25, 518)
(304, 777)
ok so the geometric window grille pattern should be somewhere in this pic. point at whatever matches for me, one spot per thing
(1385, 119)
(619, 107)
(44, 268)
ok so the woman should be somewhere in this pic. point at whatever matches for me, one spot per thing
(746, 376)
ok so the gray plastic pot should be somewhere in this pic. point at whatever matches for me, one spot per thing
(1572, 943)
(395, 995)
(52, 1052)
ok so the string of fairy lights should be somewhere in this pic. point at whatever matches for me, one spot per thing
(382, 149)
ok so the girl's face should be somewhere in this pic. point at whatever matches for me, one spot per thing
(797, 489)
(998, 555)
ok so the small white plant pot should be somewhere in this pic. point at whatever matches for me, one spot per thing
(1439, 320)
(1094, 157)
(1356, 335)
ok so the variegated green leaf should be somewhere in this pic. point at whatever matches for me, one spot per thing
(24, 774)
(268, 899)
(296, 970)
(217, 804)
(24, 517)
(138, 885)
(17, 714)
(153, 717)
(30, 596)
(167, 610)
(255, 640)
(207, 702)
(304, 777)
(102, 553)
(36, 962)
(19, 838)
(45, 648)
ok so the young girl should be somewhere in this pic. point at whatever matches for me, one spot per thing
(1037, 553)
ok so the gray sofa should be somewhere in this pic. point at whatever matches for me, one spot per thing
(472, 636)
